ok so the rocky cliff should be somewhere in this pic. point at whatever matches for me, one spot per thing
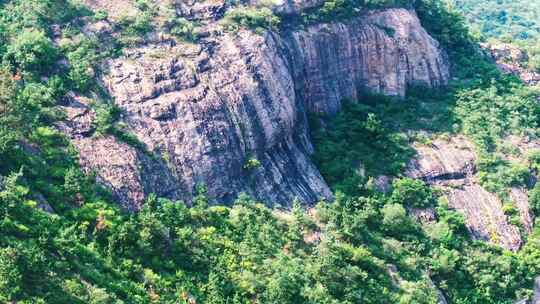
(230, 111)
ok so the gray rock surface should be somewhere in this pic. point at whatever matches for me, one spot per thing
(449, 164)
(204, 110)
(382, 52)
(287, 7)
(536, 298)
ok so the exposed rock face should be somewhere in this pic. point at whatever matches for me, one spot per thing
(536, 299)
(443, 160)
(510, 59)
(485, 217)
(384, 52)
(205, 110)
(450, 165)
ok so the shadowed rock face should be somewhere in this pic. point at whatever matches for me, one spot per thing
(450, 165)
(205, 110)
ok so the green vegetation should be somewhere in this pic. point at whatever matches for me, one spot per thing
(363, 143)
(183, 29)
(511, 21)
(256, 19)
(506, 19)
(364, 247)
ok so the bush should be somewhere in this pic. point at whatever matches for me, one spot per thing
(253, 18)
(252, 163)
(32, 52)
(83, 59)
(534, 160)
(412, 192)
(106, 116)
(395, 219)
(357, 144)
(183, 29)
(534, 199)
(497, 175)
(10, 276)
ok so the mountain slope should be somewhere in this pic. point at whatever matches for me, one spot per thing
(107, 72)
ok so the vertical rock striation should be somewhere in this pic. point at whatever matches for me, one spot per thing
(383, 52)
(231, 111)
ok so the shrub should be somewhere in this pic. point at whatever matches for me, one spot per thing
(183, 29)
(252, 163)
(534, 160)
(83, 60)
(31, 51)
(106, 116)
(394, 218)
(534, 199)
(412, 192)
(497, 175)
(10, 276)
(253, 18)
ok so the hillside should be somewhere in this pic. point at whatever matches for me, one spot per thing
(517, 19)
(262, 152)
(516, 22)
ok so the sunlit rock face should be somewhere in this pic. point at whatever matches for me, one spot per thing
(450, 165)
(230, 111)
(384, 52)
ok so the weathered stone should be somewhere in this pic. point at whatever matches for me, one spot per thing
(383, 183)
(449, 164)
(43, 204)
(423, 215)
(209, 108)
(287, 7)
(130, 174)
(114, 9)
(511, 60)
(79, 117)
(383, 52)
(443, 160)
(485, 217)
(536, 298)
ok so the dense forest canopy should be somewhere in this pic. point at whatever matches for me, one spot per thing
(503, 19)
(508, 21)
(89, 251)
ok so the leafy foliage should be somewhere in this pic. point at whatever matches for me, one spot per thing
(89, 251)
(254, 18)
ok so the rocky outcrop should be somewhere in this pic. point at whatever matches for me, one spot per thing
(449, 164)
(512, 60)
(230, 111)
(536, 298)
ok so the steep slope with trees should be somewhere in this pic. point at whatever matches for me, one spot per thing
(382, 238)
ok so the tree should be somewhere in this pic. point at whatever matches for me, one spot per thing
(10, 276)
(32, 51)
(395, 218)
(411, 192)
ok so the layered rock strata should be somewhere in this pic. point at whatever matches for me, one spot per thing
(230, 111)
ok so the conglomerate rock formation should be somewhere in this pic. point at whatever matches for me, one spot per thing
(230, 111)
